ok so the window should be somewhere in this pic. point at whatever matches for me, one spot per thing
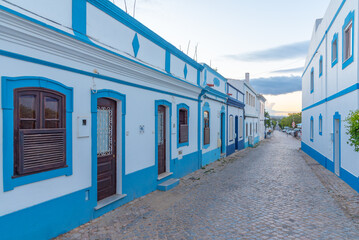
(348, 38)
(311, 129)
(230, 134)
(312, 81)
(246, 129)
(39, 131)
(183, 125)
(206, 132)
(348, 42)
(320, 124)
(335, 50)
(321, 66)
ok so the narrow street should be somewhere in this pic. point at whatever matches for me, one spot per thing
(269, 192)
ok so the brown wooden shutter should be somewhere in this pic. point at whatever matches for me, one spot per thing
(183, 133)
(206, 139)
(41, 150)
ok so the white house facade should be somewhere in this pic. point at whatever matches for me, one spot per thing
(330, 90)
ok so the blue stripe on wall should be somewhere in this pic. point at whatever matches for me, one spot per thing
(211, 156)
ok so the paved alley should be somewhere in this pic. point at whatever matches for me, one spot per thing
(269, 192)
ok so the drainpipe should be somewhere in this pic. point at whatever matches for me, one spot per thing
(199, 129)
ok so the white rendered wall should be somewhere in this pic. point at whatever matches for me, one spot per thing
(235, 112)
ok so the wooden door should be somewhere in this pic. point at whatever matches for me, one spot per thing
(106, 148)
(161, 141)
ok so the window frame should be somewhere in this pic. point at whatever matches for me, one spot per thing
(182, 106)
(334, 50)
(231, 128)
(320, 125)
(311, 129)
(40, 125)
(312, 80)
(9, 84)
(321, 66)
(348, 25)
(206, 108)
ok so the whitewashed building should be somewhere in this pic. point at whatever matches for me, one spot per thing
(235, 117)
(214, 113)
(96, 110)
(253, 112)
(330, 90)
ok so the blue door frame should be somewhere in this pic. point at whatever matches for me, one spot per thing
(223, 136)
(236, 131)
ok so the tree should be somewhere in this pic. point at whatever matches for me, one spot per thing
(267, 119)
(287, 121)
(352, 127)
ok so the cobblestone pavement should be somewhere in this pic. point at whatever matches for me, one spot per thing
(269, 192)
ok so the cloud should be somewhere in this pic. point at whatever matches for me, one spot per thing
(290, 70)
(283, 52)
(277, 85)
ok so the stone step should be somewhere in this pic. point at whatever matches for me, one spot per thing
(168, 185)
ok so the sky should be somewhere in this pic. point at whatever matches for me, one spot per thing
(267, 38)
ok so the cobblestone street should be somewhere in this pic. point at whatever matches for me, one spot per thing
(269, 192)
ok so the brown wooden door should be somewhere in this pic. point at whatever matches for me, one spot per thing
(161, 132)
(106, 148)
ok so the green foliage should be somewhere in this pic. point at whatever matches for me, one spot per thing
(353, 129)
(287, 121)
(267, 121)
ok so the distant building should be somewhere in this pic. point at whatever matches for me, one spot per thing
(330, 90)
(253, 111)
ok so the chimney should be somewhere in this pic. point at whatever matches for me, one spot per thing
(247, 77)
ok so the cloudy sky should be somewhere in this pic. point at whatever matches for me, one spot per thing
(267, 38)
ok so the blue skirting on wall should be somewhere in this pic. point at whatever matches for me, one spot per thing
(346, 176)
(231, 149)
(211, 156)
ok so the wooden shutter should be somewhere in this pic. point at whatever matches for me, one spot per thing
(183, 133)
(206, 136)
(41, 150)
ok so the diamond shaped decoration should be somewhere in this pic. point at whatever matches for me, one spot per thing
(135, 45)
(185, 71)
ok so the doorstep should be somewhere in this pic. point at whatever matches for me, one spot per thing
(107, 201)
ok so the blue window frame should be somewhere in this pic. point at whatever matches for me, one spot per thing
(311, 129)
(320, 125)
(321, 66)
(312, 81)
(206, 123)
(348, 40)
(183, 115)
(8, 85)
(334, 50)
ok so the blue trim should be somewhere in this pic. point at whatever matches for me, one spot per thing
(312, 80)
(198, 77)
(105, 93)
(205, 77)
(337, 116)
(325, 34)
(335, 39)
(169, 109)
(235, 88)
(216, 93)
(334, 96)
(82, 38)
(346, 176)
(8, 84)
(211, 156)
(208, 109)
(135, 45)
(185, 71)
(70, 69)
(79, 17)
(321, 66)
(181, 106)
(216, 82)
(112, 10)
(311, 135)
(168, 62)
(349, 19)
(320, 125)
(231, 149)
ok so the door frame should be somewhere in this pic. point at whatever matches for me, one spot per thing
(168, 107)
(337, 117)
(223, 130)
(120, 158)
